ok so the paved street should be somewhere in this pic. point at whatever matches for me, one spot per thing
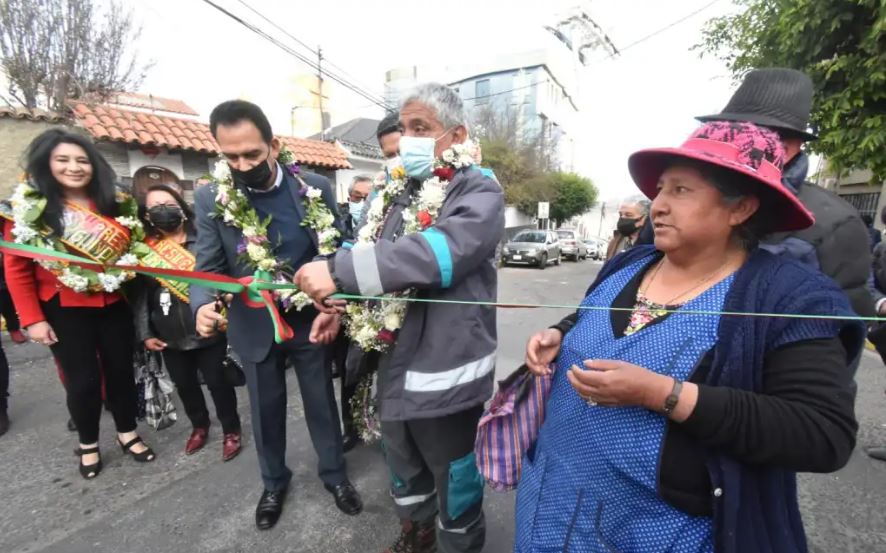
(198, 504)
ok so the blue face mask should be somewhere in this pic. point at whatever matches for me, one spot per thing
(356, 210)
(417, 155)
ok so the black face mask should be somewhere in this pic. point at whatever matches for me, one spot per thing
(627, 226)
(166, 218)
(256, 178)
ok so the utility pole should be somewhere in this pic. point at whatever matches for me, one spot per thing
(320, 91)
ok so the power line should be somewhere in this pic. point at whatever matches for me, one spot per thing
(665, 28)
(342, 73)
(297, 55)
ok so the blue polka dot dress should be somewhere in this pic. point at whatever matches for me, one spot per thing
(591, 482)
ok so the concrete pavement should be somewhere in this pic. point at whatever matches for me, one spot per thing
(199, 504)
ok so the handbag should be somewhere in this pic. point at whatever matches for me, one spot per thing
(155, 389)
(232, 370)
(509, 427)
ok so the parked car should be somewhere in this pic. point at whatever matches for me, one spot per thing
(596, 248)
(571, 245)
(532, 247)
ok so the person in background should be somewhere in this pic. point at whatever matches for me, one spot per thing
(876, 236)
(7, 309)
(388, 135)
(4, 392)
(780, 99)
(877, 335)
(358, 192)
(81, 328)
(666, 432)
(632, 215)
(164, 323)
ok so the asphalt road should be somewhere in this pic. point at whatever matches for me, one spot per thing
(199, 504)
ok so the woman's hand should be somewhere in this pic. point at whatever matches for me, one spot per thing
(155, 344)
(541, 350)
(620, 384)
(42, 333)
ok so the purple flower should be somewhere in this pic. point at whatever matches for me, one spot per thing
(293, 169)
(303, 191)
(241, 247)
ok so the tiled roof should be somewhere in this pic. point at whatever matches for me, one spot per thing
(31, 114)
(149, 101)
(134, 127)
(358, 136)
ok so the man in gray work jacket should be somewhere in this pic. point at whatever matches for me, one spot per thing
(434, 380)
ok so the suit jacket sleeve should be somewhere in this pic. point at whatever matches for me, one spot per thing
(209, 250)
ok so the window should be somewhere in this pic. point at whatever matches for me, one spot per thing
(865, 203)
(481, 91)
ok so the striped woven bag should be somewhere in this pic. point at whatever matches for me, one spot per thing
(509, 427)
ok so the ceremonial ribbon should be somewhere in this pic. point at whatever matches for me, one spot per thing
(256, 291)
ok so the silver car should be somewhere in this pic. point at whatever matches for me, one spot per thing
(571, 245)
(532, 247)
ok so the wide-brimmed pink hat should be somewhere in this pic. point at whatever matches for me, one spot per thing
(738, 146)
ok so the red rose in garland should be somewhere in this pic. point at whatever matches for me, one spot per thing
(445, 173)
(424, 218)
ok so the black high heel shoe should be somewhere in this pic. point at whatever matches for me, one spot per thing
(89, 471)
(145, 456)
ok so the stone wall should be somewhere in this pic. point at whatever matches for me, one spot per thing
(15, 135)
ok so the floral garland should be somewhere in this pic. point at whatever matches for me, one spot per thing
(27, 212)
(233, 207)
(363, 407)
(373, 325)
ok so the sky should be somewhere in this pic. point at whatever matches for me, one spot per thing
(645, 97)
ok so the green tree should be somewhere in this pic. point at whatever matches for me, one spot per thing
(568, 193)
(55, 50)
(841, 45)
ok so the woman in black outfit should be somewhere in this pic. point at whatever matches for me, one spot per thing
(164, 323)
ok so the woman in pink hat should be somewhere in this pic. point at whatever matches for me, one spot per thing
(675, 423)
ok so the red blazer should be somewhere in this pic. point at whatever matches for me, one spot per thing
(29, 284)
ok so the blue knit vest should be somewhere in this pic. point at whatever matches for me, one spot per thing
(758, 511)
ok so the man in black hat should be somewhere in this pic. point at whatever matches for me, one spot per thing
(837, 244)
(781, 99)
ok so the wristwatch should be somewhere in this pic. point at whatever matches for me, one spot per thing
(671, 401)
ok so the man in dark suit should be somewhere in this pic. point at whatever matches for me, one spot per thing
(250, 148)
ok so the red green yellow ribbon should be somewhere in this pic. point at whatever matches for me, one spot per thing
(256, 290)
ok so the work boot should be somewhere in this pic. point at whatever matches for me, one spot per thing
(415, 537)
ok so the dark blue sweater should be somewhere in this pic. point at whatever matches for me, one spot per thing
(758, 510)
(290, 240)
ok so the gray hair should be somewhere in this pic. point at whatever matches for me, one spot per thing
(640, 201)
(356, 179)
(444, 101)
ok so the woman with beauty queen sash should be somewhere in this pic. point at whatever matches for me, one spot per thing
(69, 204)
(164, 322)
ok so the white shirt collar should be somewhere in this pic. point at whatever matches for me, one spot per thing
(277, 182)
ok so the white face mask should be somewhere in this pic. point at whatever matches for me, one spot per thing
(392, 164)
(417, 154)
